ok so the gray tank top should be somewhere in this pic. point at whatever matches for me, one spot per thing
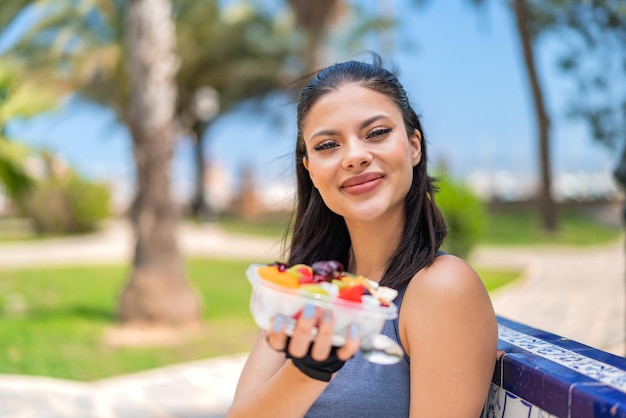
(363, 389)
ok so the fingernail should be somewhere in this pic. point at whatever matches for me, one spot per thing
(278, 323)
(309, 311)
(354, 331)
(328, 315)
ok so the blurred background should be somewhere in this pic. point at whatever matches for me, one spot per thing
(462, 65)
(118, 116)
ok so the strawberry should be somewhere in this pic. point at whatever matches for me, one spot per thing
(352, 293)
(306, 279)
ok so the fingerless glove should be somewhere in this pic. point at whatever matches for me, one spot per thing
(319, 370)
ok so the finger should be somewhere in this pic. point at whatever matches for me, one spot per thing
(276, 337)
(323, 341)
(301, 338)
(351, 346)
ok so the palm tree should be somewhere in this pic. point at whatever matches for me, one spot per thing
(85, 40)
(10, 9)
(92, 52)
(240, 54)
(239, 58)
(314, 17)
(547, 205)
(594, 57)
(157, 290)
(528, 29)
(317, 19)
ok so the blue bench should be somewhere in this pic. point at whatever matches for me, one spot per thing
(543, 375)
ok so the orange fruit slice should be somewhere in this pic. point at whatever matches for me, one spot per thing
(281, 278)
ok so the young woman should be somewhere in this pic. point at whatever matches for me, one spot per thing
(366, 200)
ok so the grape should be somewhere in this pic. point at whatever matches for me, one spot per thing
(337, 268)
(280, 266)
(329, 269)
(318, 278)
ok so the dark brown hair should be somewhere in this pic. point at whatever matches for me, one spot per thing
(317, 233)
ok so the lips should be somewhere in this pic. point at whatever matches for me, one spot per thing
(361, 179)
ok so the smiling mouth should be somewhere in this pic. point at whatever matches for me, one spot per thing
(362, 185)
(362, 182)
(359, 181)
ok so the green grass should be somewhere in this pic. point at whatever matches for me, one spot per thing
(54, 319)
(493, 279)
(523, 227)
(272, 226)
(503, 228)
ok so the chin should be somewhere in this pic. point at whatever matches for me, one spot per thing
(366, 214)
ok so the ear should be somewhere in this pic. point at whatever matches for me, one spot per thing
(305, 163)
(415, 141)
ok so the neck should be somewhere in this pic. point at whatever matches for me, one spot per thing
(373, 244)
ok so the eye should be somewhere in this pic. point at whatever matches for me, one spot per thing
(325, 145)
(378, 132)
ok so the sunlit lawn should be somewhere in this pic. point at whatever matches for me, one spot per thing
(504, 227)
(54, 319)
(273, 226)
(522, 227)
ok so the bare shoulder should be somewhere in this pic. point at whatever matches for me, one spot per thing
(449, 277)
(449, 330)
(447, 296)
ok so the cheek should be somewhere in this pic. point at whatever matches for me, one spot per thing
(314, 175)
(319, 172)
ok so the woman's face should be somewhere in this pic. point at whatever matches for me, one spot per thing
(359, 155)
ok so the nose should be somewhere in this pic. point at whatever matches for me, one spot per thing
(356, 155)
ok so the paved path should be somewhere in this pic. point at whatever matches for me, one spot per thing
(575, 293)
(200, 389)
(114, 244)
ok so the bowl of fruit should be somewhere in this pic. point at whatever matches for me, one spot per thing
(280, 289)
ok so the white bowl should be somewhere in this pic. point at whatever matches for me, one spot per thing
(269, 300)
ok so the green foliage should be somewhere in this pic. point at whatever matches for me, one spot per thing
(18, 98)
(243, 54)
(239, 49)
(465, 215)
(10, 9)
(592, 55)
(14, 179)
(66, 205)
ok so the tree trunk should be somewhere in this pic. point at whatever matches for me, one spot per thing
(314, 17)
(199, 209)
(157, 291)
(547, 206)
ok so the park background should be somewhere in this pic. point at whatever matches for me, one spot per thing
(462, 66)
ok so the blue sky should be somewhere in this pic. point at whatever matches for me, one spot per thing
(463, 72)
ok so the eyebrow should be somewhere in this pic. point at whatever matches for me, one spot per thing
(362, 125)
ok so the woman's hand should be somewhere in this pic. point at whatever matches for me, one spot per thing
(315, 357)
